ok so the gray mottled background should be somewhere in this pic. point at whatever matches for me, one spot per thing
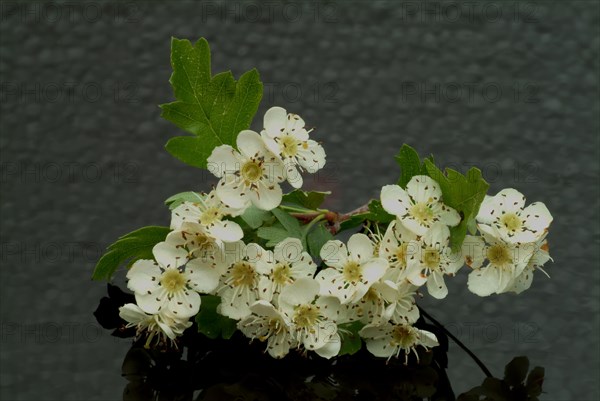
(511, 87)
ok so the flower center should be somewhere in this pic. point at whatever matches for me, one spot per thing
(431, 258)
(243, 274)
(251, 171)
(421, 212)
(172, 280)
(210, 215)
(306, 316)
(352, 272)
(511, 221)
(289, 146)
(282, 274)
(371, 296)
(201, 245)
(404, 337)
(499, 255)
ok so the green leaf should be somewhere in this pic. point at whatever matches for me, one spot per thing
(290, 223)
(310, 200)
(410, 164)
(516, 370)
(212, 108)
(273, 234)
(129, 248)
(378, 213)
(181, 197)
(316, 238)
(535, 380)
(353, 221)
(351, 341)
(463, 193)
(255, 217)
(210, 322)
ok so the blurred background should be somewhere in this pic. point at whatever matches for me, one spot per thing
(509, 86)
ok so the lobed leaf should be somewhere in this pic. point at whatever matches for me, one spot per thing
(177, 199)
(463, 193)
(212, 108)
(310, 200)
(129, 248)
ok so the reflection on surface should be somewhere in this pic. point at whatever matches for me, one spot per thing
(205, 369)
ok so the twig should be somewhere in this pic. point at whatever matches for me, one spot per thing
(457, 341)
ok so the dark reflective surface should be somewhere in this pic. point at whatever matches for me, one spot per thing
(198, 368)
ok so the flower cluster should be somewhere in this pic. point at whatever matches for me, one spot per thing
(281, 295)
(252, 174)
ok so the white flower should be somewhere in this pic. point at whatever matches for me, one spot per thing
(419, 206)
(208, 212)
(431, 258)
(285, 135)
(506, 261)
(268, 324)
(403, 308)
(198, 243)
(250, 176)
(171, 283)
(388, 340)
(159, 326)
(239, 282)
(503, 216)
(373, 307)
(287, 263)
(353, 270)
(312, 318)
(395, 248)
(539, 257)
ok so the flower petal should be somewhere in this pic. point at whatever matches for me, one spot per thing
(301, 291)
(447, 215)
(267, 196)
(329, 307)
(360, 248)
(311, 156)
(250, 144)
(422, 188)
(395, 200)
(380, 347)
(289, 250)
(226, 230)
(427, 339)
(483, 282)
(436, 285)
(373, 270)
(292, 175)
(186, 212)
(143, 276)
(536, 218)
(438, 235)
(232, 192)
(223, 159)
(184, 305)
(132, 313)
(331, 348)
(202, 276)
(169, 256)
(152, 302)
(275, 121)
(473, 251)
(334, 253)
(295, 126)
